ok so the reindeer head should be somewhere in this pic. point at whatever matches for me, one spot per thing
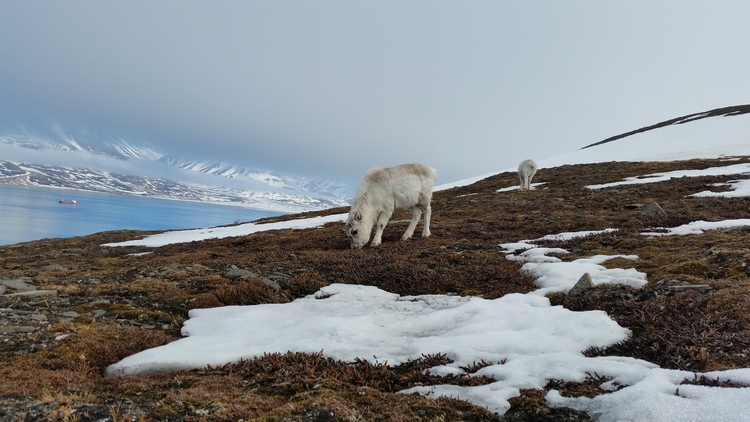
(357, 230)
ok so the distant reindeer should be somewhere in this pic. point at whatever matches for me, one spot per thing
(526, 171)
(384, 190)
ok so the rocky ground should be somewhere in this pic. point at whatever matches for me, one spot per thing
(70, 307)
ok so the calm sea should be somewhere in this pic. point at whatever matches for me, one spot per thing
(30, 213)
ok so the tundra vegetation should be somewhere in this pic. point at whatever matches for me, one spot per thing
(113, 302)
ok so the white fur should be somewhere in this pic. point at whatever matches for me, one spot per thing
(384, 190)
(526, 171)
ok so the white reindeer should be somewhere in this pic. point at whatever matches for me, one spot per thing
(526, 171)
(384, 190)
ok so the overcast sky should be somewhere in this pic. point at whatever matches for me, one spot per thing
(333, 88)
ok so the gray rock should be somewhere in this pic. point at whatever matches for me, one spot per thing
(33, 293)
(279, 276)
(11, 329)
(19, 285)
(70, 314)
(271, 283)
(583, 284)
(2, 289)
(690, 287)
(16, 311)
(652, 209)
(235, 272)
(99, 312)
(273, 279)
(53, 267)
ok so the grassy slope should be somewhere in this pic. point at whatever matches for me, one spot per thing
(55, 372)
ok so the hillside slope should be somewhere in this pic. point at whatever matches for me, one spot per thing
(719, 112)
(106, 303)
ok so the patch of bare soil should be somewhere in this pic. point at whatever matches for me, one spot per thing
(94, 305)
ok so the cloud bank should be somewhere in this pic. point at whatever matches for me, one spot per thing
(334, 88)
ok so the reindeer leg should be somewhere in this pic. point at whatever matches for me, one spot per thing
(416, 212)
(427, 216)
(380, 226)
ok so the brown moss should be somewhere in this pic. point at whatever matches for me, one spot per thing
(204, 300)
(305, 284)
(77, 362)
(679, 325)
(249, 292)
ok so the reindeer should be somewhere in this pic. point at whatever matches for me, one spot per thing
(384, 190)
(526, 171)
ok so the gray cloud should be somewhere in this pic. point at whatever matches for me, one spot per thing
(334, 88)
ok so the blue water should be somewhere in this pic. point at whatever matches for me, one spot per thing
(30, 213)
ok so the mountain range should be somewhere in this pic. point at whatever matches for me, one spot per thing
(84, 161)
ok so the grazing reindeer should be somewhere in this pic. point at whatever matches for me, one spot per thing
(526, 171)
(384, 190)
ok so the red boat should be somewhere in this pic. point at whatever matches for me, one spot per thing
(73, 202)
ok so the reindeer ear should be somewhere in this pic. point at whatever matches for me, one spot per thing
(358, 216)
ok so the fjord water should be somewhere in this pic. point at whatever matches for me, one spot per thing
(31, 213)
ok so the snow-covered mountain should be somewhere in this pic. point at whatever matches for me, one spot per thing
(708, 134)
(86, 161)
(64, 141)
(231, 170)
(719, 112)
